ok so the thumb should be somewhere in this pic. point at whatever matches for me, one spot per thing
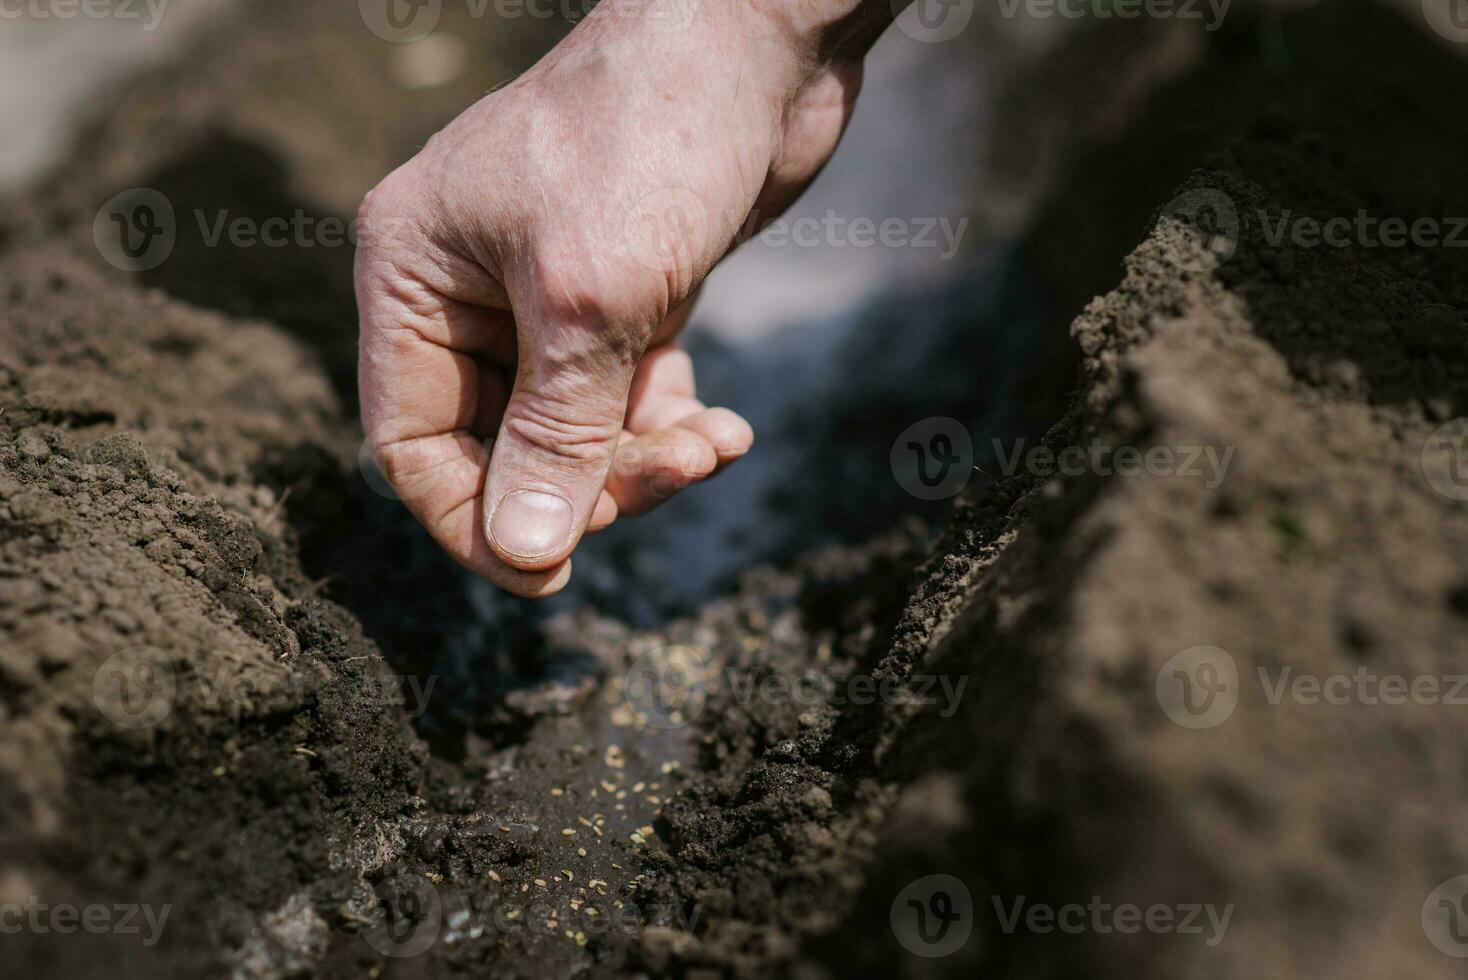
(555, 448)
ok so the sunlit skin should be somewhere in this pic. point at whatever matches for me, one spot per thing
(523, 279)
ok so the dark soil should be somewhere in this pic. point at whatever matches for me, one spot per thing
(237, 683)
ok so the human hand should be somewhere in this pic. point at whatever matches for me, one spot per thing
(521, 279)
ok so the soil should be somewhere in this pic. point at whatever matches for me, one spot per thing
(238, 683)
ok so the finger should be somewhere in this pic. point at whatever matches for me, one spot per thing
(419, 398)
(726, 431)
(651, 468)
(604, 514)
(676, 320)
(662, 390)
(421, 378)
(559, 432)
(465, 524)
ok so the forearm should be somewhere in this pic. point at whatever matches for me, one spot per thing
(780, 43)
(826, 31)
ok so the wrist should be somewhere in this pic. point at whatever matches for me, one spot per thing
(822, 32)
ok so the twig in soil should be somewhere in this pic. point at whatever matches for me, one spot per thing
(279, 505)
(314, 587)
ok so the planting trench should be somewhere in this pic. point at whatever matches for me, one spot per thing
(238, 683)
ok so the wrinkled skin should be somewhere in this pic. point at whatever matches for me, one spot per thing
(522, 280)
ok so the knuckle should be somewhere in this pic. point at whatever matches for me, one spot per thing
(586, 303)
(385, 216)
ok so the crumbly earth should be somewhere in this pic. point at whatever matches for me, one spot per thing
(226, 662)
